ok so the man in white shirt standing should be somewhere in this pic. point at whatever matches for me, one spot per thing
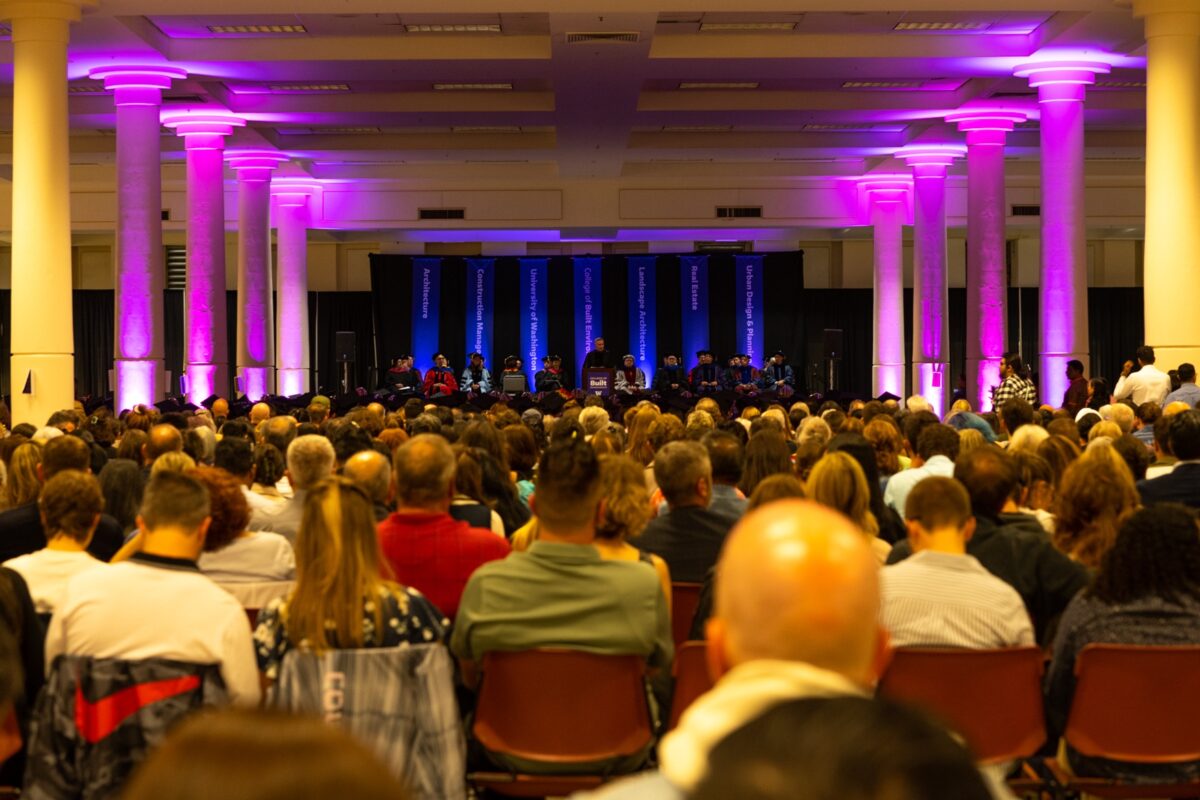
(1148, 385)
(158, 604)
(940, 596)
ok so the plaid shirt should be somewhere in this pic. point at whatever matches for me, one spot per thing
(1014, 386)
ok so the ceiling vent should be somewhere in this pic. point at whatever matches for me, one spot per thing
(1026, 211)
(583, 37)
(739, 212)
(724, 247)
(242, 30)
(442, 213)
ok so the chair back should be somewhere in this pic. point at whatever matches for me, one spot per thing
(399, 701)
(563, 707)
(992, 698)
(96, 719)
(1136, 703)
(691, 678)
(257, 594)
(685, 597)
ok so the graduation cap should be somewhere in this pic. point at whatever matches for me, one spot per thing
(473, 355)
(554, 358)
(168, 406)
(779, 353)
(239, 408)
(210, 400)
(886, 396)
(700, 353)
(190, 408)
(510, 361)
(436, 356)
(629, 356)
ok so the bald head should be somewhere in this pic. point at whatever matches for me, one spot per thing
(163, 439)
(797, 582)
(377, 409)
(372, 472)
(259, 412)
(220, 407)
(424, 469)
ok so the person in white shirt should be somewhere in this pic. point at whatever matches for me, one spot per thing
(937, 447)
(940, 596)
(1148, 385)
(236, 456)
(70, 508)
(158, 604)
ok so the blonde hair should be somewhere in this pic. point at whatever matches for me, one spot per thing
(1095, 496)
(172, 462)
(22, 485)
(626, 500)
(1107, 429)
(338, 569)
(970, 439)
(638, 444)
(837, 481)
(1027, 438)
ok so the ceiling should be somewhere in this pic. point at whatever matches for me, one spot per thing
(455, 91)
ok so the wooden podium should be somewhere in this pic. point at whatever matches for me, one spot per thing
(599, 380)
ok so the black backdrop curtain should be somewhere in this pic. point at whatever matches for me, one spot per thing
(328, 313)
(93, 334)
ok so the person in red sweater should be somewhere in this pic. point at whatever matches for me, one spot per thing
(440, 378)
(427, 548)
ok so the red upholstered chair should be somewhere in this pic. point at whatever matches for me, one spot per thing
(691, 678)
(565, 709)
(1139, 704)
(993, 698)
(684, 599)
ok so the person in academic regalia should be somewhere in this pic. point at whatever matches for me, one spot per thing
(630, 378)
(777, 375)
(402, 377)
(671, 377)
(475, 378)
(706, 376)
(439, 380)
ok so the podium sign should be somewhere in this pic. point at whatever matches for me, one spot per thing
(598, 381)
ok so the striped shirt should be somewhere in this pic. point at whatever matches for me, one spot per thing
(945, 600)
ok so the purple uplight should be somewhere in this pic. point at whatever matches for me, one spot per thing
(987, 269)
(291, 320)
(888, 197)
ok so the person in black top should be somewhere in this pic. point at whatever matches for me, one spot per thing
(778, 375)
(672, 377)
(550, 379)
(599, 358)
(706, 376)
(741, 377)
(402, 377)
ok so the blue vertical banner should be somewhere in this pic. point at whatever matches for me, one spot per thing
(748, 314)
(427, 298)
(534, 313)
(693, 273)
(481, 282)
(587, 306)
(643, 314)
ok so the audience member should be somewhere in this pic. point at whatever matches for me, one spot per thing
(725, 455)
(936, 449)
(310, 460)
(1021, 556)
(1146, 592)
(469, 503)
(941, 596)
(1187, 392)
(342, 602)
(837, 481)
(1135, 454)
(1096, 494)
(70, 507)
(766, 454)
(233, 555)
(21, 485)
(122, 485)
(841, 748)
(158, 604)
(371, 471)
(1058, 452)
(426, 548)
(689, 536)
(625, 510)
(776, 487)
(21, 527)
(161, 439)
(1182, 484)
(1147, 383)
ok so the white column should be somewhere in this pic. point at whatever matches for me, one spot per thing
(1172, 177)
(205, 342)
(255, 314)
(43, 338)
(1062, 306)
(931, 318)
(887, 200)
(139, 278)
(291, 307)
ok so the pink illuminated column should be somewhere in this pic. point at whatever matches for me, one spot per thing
(987, 267)
(255, 317)
(1063, 327)
(1172, 178)
(43, 361)
(138, 360)
(205, 345)
(887, 199)
(291, 312)
(931, 331)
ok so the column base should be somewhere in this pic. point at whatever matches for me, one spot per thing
(52, 386)
(255, 381)
(138, 381)
(931, 380)
(983, 375)
(1052, 380)
(204, 380)
(293, 381)
(887, 378)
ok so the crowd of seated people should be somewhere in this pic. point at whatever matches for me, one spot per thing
(208, 550)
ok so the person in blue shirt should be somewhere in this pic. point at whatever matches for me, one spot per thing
(475, 378)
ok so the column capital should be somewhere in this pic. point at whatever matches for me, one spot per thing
(69, 10)
(255, 165)
(293, 192)
(1168, 17)
(137, 85)
(204, 130)
(987, 126)
(930, 160)
(1061, 80)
